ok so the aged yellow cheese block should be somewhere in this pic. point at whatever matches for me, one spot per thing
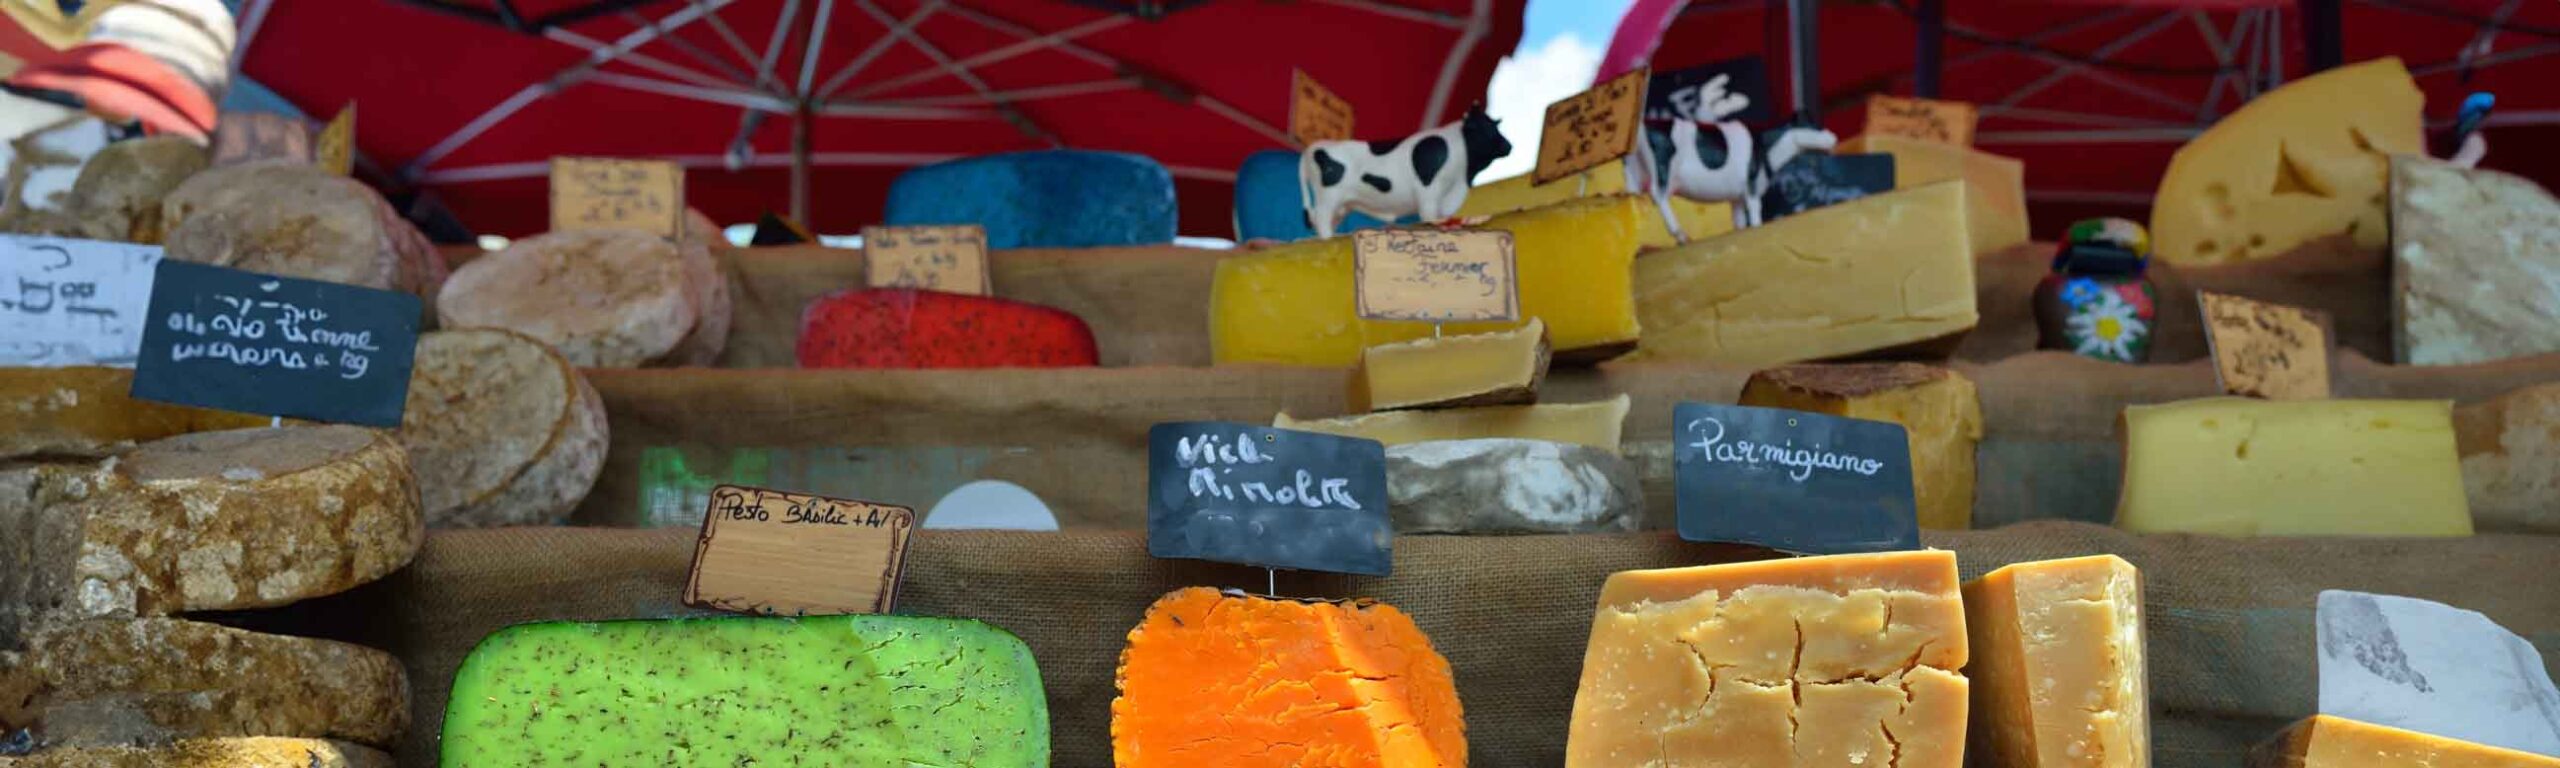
(1995, 187)
(1936, 407)
(1520, 193)
(2058, 671)
(1596, 424)
(2240, 467)
(1882, 272)
(1498, 368)
(2296, 164)
(1843, 660)
(2322, 741)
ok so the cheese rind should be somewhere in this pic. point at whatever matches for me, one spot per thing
(2295, 164)
(88, 412)
(1995, 196)
(104, 682)
(1596, 424)
(2472, 274)
(2058, 668)
(2510, 448)
(248, 752)
(1498, 368)
(605, 298)
(2323, 741)
(500, 429)
(1936, 407)
(1878, 273)
(1501, 485)
(2240, 467)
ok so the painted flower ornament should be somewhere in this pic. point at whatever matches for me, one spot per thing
(2097, 303)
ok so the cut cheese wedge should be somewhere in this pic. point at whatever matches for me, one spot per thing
(2240, 467)
(2058, 669)
(1238, 681)
(1881, 273)
(86, 412)
(2295, 164)
(1596, 424)
(1520, 193)
(1995, 187)
(1936, 407)
(1498, 368)
(1842, 660)
(2323, 741)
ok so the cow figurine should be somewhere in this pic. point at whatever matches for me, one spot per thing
(1727, 165)
(1427, 173)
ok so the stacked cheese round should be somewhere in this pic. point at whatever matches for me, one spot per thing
(502, 430)
(296, 220)
(605, 298)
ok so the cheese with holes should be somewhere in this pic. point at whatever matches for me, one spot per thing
(1841, 660)
(2057, 670)
(106, 682)
(85, 411)
(2323, 741)
(1596, 424)
(1936, 407)
(1880, 273)
(2510, 447)
(605, 298)
(1240, 681)
(2240, 467)
(250, 752)
(1995, 187)
(500, 430)
(290, 218)
(1294, 304)
(2296, 164)
(2473, 277)
(1520, 193)
(1498, 368)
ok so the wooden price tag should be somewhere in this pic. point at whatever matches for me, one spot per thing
(1592, 127)
(1928, 119)
(1436, 275)
(951, 259)
(609, 193)
(337, 143)
(242, 137)
(793, 554)
(2264, 350)
(1315, 114)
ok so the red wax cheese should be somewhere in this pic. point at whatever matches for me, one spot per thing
(907, 328)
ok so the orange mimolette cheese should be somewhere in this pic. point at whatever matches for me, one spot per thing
(1238, 681)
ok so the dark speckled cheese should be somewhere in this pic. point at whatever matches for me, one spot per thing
(815, 691)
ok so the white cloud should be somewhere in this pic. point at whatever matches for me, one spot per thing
(1524, 84)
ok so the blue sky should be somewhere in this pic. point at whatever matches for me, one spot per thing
(1560, 46)
(1592, 20)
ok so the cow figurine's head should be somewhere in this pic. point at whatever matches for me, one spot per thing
(1483, 137)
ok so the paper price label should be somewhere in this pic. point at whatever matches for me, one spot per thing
(73, 302)
(1591, 128)
(1436, 276)
(2264, 350)
(1948, 122)
(794, 554)
(1315, 114)
(608, 193)
(951, 259)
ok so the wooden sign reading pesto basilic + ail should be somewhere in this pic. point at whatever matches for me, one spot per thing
(1275, 498)
(1791, 480)
(794, 554)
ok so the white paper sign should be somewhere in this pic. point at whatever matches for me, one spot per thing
(73, 302)
(2433, 668)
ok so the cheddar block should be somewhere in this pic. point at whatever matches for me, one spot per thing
(1499, 368)
(2240, 467)
(1936, 407)
(1995, 187)
(2322, 741)
(1876, 274)
(819, 690)
(1295, 305)
(1520, 193)
(1596, 424)
(2058, 669)
(250, 752)
(2299, 163)
(86, 412)
(1238, 681)
(1842, 660)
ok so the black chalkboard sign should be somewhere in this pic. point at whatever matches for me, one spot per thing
(1791, 480)
(1816, 179)
(1676, 95)
(1276, 498)
(244, 341)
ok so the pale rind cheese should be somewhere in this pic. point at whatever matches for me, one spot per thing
(139, 681)
(605, 298)
(2241, 467)
(2059, 677)
(1697, 219)
(2296, 164)
(500, 429)
(1498, 368)
(239, 752)
(2323, 741)
(1596, 424)
(1995, 187)
(2473, 273)
(88, 411)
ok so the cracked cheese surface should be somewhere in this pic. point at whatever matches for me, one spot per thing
(1235, 681)
(2323, 741)
(766, 691)
(2058, 668)
(2240, 467)
(1843, 660)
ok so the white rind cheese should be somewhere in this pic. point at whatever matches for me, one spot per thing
(1503, 485)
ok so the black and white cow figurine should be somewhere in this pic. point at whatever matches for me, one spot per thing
(1727, 165)
(1424, 174)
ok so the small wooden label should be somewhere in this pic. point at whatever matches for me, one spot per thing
(1436, 275)
(1928, 119)
(2264, 350)
(337, 142)
(611, 193)
(793, 554)
(243, 137)
(951, 259)
(1315, 114)
(1592, 127)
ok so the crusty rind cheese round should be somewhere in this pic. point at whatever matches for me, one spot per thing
(604, 298)
(246, 752)
(501, 429)
(296, 220)
(109, 682)
(707, 287)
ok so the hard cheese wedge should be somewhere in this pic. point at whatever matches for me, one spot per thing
(2058, 670)
(1238, 681)
(1877, 273)
(1596, 424)
(2472, 274)
(1844, 660)
(1294, 304)
(2322, 741)
(1995, 187)
(1498, 368)
(819, 690)
(1520, 193)
(1935, 406)
(2302, 162)
(85, 411)
(2240, 467)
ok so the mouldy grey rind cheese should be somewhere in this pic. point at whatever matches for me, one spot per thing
(605, 298)
(292, 219)
(109, 682)
(85, 411)
(2473, 272)
(254, 752)
(1507, 485)
(501, 430)
(2510, 448)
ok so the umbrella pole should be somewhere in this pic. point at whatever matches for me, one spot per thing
(802, 122)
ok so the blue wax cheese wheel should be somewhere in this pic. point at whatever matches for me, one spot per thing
(1047, 199)
(749, 690)
(1271, 201)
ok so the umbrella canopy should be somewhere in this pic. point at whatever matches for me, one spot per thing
(470, 98)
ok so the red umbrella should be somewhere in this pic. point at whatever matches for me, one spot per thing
(471, 97)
